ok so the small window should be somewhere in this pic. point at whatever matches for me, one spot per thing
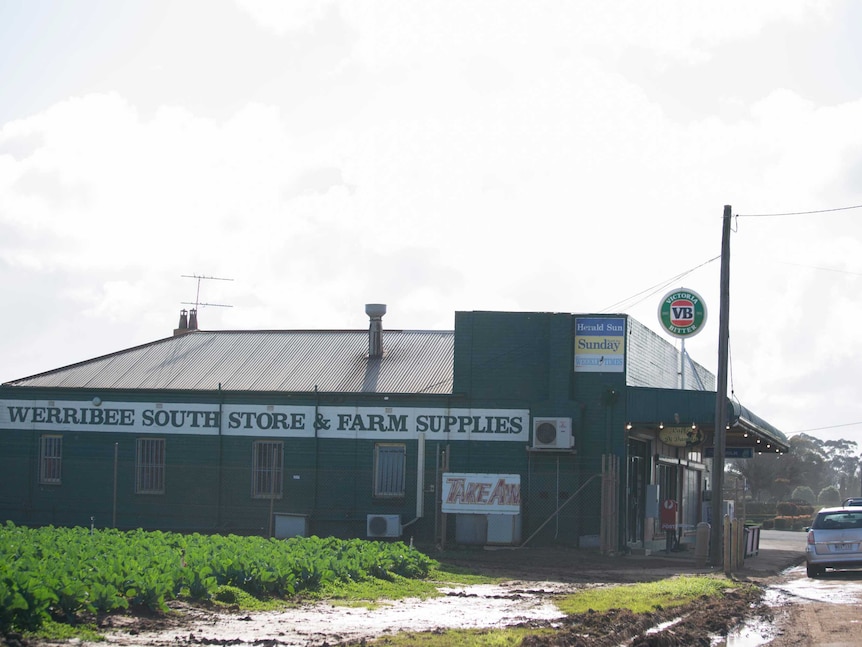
(50, 459)
(266, 469)
(390, 464)
(150, 466)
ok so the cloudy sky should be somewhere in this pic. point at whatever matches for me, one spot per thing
(568, 156)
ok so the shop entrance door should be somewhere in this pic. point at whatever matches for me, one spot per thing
(636, 480)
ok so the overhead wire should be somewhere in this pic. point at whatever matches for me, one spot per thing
(650, 291)
(796, 213)
(824, 269)
(645, 294)
(846, 424)
(827, 269)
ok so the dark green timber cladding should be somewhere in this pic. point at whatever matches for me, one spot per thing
(526, 360)
(502, 361)
(86, 493)
(645, 404)
(502, 358)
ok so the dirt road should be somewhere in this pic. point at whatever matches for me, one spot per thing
(823, 612)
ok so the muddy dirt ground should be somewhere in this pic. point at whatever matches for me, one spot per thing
(533, 579)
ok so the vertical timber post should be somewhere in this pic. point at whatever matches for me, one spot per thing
(716, 503)
(114, 510)
(728, 545)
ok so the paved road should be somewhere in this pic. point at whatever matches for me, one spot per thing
(782, 540)
(778, 550)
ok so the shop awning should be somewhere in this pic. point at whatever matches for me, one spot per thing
(654, 408)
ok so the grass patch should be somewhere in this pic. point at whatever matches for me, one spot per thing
(372, 590)
(461, 638)
(638, 598)
(375, 589)
(451, 574)
(647, 596)
(232, 596)
(62, 632)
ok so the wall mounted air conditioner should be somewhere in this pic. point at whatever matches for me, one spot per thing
(384, 525)
(553, 434)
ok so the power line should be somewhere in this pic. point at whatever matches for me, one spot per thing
(846, 424)
(657, 287)
(825, 269)
(795, 213)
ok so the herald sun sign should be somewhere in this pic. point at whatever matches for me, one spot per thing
(682, 312)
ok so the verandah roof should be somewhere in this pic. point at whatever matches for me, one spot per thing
(651, 407)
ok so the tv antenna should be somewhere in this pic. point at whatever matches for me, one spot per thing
(197, 302)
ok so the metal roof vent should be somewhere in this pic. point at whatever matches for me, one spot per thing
(375, 312)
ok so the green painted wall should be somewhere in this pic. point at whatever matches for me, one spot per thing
(502, 360)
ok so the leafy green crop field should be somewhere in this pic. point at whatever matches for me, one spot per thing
(61, 574)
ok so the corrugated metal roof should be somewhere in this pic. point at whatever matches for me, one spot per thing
(299, 361)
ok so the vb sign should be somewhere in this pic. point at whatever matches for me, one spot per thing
(682, 313)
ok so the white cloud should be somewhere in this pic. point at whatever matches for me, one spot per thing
(285, 17)
(439, 156)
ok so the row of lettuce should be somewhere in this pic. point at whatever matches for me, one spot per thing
(66, 573)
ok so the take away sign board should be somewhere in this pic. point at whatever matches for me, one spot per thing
(481, 493)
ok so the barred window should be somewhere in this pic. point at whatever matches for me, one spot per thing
(150, 466)
(50, 459)
(266, 469)
(390, 464)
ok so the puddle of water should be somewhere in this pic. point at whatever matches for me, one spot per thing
(481, 606)
(663, 626)
(835, 591)
(749, 634)
(752, 633)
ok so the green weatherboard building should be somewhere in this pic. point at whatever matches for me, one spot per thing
(516, 427)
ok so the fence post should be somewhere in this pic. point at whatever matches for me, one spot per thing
(728, 542)
(701, 544)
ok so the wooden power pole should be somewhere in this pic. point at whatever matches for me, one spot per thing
(716, 503)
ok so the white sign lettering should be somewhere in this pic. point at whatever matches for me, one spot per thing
(397, 423)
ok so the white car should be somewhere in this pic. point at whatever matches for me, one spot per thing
(834, 540)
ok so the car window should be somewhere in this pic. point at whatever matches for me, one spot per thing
(838, 520)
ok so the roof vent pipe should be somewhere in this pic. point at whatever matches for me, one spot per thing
(375, 312)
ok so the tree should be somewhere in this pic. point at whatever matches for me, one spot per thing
(803, 493)
(845, 466)
(759, 474)
(811, 463)
(829, 496)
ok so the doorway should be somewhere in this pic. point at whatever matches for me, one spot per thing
(636, 481)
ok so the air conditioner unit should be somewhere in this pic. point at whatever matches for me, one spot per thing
(553, 434)
(384, 525)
